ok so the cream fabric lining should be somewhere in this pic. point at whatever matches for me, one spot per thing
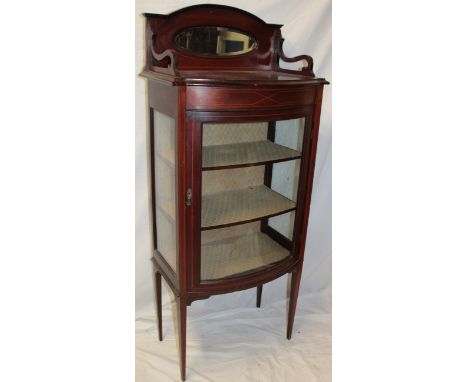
(228, 133)
(231, 179)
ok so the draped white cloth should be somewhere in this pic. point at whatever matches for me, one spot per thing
(242, 344)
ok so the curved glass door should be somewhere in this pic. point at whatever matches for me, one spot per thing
(250, 174)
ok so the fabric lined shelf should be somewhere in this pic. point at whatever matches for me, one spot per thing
(240, 206)
(237, 255)
(245, 153)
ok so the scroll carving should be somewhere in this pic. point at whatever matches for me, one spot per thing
(169, 56)
(307, 70)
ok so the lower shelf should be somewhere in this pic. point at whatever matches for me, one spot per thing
(237, 255)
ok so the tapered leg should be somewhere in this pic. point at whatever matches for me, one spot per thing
(158, 303)
(182, 319)
(259, 295)
(295, 281)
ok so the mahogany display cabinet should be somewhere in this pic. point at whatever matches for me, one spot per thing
(233, 138)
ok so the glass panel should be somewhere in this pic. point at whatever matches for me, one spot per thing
(215, 41)
(166, 193)
(249, 193)
(285, 175)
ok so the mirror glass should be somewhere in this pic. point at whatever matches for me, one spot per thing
(215, 41)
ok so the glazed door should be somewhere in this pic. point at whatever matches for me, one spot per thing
(247, 193)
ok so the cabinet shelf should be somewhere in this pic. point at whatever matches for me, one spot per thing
(245, 154)
(227, 208)
(238, 255)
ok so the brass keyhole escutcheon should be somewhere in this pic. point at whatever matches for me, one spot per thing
(188, 197)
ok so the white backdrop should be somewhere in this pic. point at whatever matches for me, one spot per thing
(307, 30)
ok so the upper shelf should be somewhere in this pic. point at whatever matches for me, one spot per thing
(210, 44)
(245, 154)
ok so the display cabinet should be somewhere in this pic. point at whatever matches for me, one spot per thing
(233, 138)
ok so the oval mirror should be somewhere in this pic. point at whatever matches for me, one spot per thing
(215, 41)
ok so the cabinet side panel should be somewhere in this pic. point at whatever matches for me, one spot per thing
(162, 102)
(285, 175)
(165, 187)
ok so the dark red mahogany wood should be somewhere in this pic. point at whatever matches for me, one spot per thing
(162, 30)
(250, 87)
(218, 98)
(158, 304)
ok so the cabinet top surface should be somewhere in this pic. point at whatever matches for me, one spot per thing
(219, 45)
(233, 78)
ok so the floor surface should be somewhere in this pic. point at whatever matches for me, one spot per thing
(241, 344)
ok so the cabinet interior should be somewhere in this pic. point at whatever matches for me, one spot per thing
(249, 189)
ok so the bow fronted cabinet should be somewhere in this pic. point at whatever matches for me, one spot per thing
(233, 139)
